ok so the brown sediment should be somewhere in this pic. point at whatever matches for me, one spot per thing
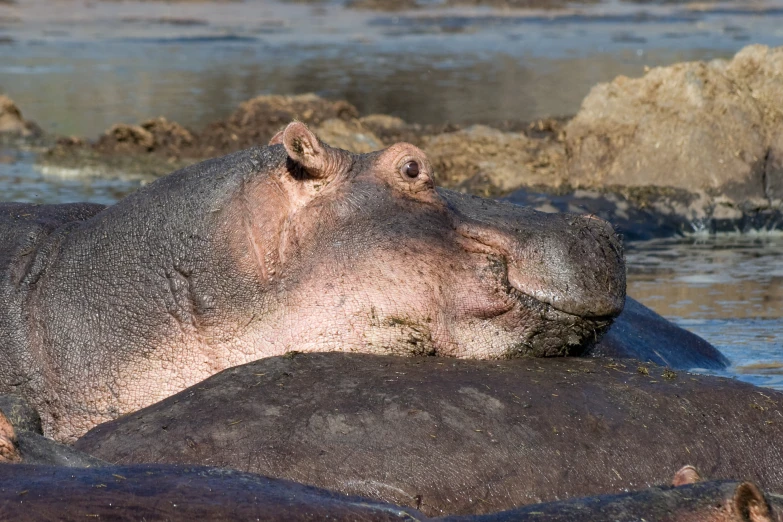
(9, 453)
(12, 125)
(698, 126)
(478, 159)
(663, 142)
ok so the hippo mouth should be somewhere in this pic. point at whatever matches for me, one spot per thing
(539, 328)
(550, 332)
(561, 276)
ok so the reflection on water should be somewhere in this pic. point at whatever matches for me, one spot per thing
(79, 71)
(755, 347)
(21, 180)
(197, 83)
(723, 277)
(128, 61)
(727, 289)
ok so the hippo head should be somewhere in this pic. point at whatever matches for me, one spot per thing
(364, 253)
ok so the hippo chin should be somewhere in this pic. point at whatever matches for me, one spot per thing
(295, 246)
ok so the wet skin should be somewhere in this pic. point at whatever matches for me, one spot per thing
(450, 436)
(295, 246)
(165, 492)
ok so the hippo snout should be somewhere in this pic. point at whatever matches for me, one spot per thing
(576, 266)
(572, 262)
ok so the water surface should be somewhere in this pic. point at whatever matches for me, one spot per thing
(78, 70)
(77, 67)
(727, 288)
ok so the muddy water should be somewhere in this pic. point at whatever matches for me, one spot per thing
(77, 67)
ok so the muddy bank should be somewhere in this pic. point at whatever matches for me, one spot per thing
(14, 129)
(691, 147)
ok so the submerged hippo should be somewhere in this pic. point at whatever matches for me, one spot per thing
(453, 436)
(296, 246)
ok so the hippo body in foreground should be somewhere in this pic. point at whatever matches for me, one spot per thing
(453, 436)
(295, 246)
(22, 440)
(161, 492)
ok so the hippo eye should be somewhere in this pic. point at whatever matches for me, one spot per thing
(411, 169)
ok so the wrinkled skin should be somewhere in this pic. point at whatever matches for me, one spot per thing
(296, 246)
(450, 436)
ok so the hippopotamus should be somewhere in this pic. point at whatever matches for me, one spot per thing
(29, 492)
(715, 501)
(22, 440)
(294, 246)
(170, 492)
(456, 436)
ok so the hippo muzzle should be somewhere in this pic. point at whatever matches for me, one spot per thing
(571, 264)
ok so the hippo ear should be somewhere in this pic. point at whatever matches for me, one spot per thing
(8, 449)
(305, 149)
(686, 475)
(750, 504)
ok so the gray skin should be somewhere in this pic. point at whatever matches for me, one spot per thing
(449, 436)
(22, 440)
(175, 493)
(295, 246)
(640, 333)
(716, 501)
(165, 492)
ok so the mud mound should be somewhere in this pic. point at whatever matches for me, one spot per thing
(158, 135)
(712, 127)
(257, 120)
(349, 135)
(391, 129)
(12, 124)
(158, 146)
(488, 161)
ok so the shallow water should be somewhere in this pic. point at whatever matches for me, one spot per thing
(728, 289)
(78, 71)
(78, 67)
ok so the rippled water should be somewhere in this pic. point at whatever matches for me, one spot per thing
(78, 67)
(727, 289)
(79, 71)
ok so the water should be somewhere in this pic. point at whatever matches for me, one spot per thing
(728, 289)
(79, 70)
(79, 67)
